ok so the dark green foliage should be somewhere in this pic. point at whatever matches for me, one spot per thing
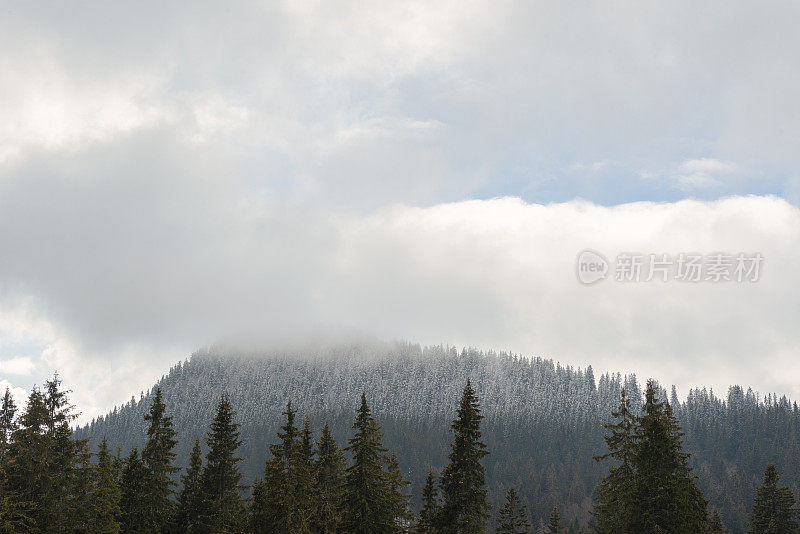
(667, 498)
(715, 525)
(652, 489)
(133, 502)
(430, 505)
(283, 501)
(773, 507)
(513, 517)
(8, 412)
(466, 507)
(554, 524)
(615, 493)
(158, 457)
(367, 506)
(328, 483)
(40, 459)
(189, 498)
(221, 508)
(106, 494)
(399, 499)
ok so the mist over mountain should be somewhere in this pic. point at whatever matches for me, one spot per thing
(543, 421)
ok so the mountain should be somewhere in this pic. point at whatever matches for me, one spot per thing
(543, 421)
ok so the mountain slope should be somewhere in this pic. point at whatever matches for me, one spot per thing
(543, 421)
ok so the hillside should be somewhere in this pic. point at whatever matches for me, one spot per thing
(543, 421)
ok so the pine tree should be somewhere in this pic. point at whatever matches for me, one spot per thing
(276, 498)
(615, 493)
(221, 508)
(106, 494)
(367, 504)
(41, 457)
(81, 491)
(328, 483)
(465, 508)
(399, 499)
(8, 412)
(773, 507)
(716, 526)
(667, 498)
(513, 517)
(305, 495)
(554, 525)
(430, 505)
(133, 502)
(188, 500)
(158, 457)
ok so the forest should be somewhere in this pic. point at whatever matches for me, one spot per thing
(374, 479)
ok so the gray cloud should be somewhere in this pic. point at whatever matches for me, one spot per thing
(173, 175)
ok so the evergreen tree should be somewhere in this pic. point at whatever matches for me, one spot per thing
(773, 507)
(305, 496)
(667, 498)
(133, 503)
(715, 526)
(106, 494)
(189, 498)
(399, 499)
(221, 508)
(465, 508)
(158, 457)
(328, 483)
(277, 500)
(81, 491)
(430, 505)
(615, 493)
(367, 506)
(41, 458)
(554, 525)
(513, 517)
(8, 412)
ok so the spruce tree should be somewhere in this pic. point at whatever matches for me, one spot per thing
(8, 412)
(430, 505)
(667, 498)
(773, 507)
(399, 499)
(328, 483)
(305, 495)
(276, 499)
(554, 525)
(715, 526)
(41, 457)
(615, 493)
(133, 503)
(367, 506)
(189, 498)
(106, 494)
(465, 507)
(158, 457)
(221, 509)
(513, 517)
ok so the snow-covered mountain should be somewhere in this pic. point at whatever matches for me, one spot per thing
(543, 421)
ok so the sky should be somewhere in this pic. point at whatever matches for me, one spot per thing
(176, 175)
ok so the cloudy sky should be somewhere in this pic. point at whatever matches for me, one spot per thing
(176, 174)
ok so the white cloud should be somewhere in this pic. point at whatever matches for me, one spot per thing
(20, 365)
(19, 395)
(494, 274)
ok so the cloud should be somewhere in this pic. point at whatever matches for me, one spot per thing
(19, 395)
(19, 365)
(174, 175)
(703, 173)
(493, 274)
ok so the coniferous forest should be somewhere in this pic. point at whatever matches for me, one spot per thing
(372, 438)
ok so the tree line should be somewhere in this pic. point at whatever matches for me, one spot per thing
(50, 482)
